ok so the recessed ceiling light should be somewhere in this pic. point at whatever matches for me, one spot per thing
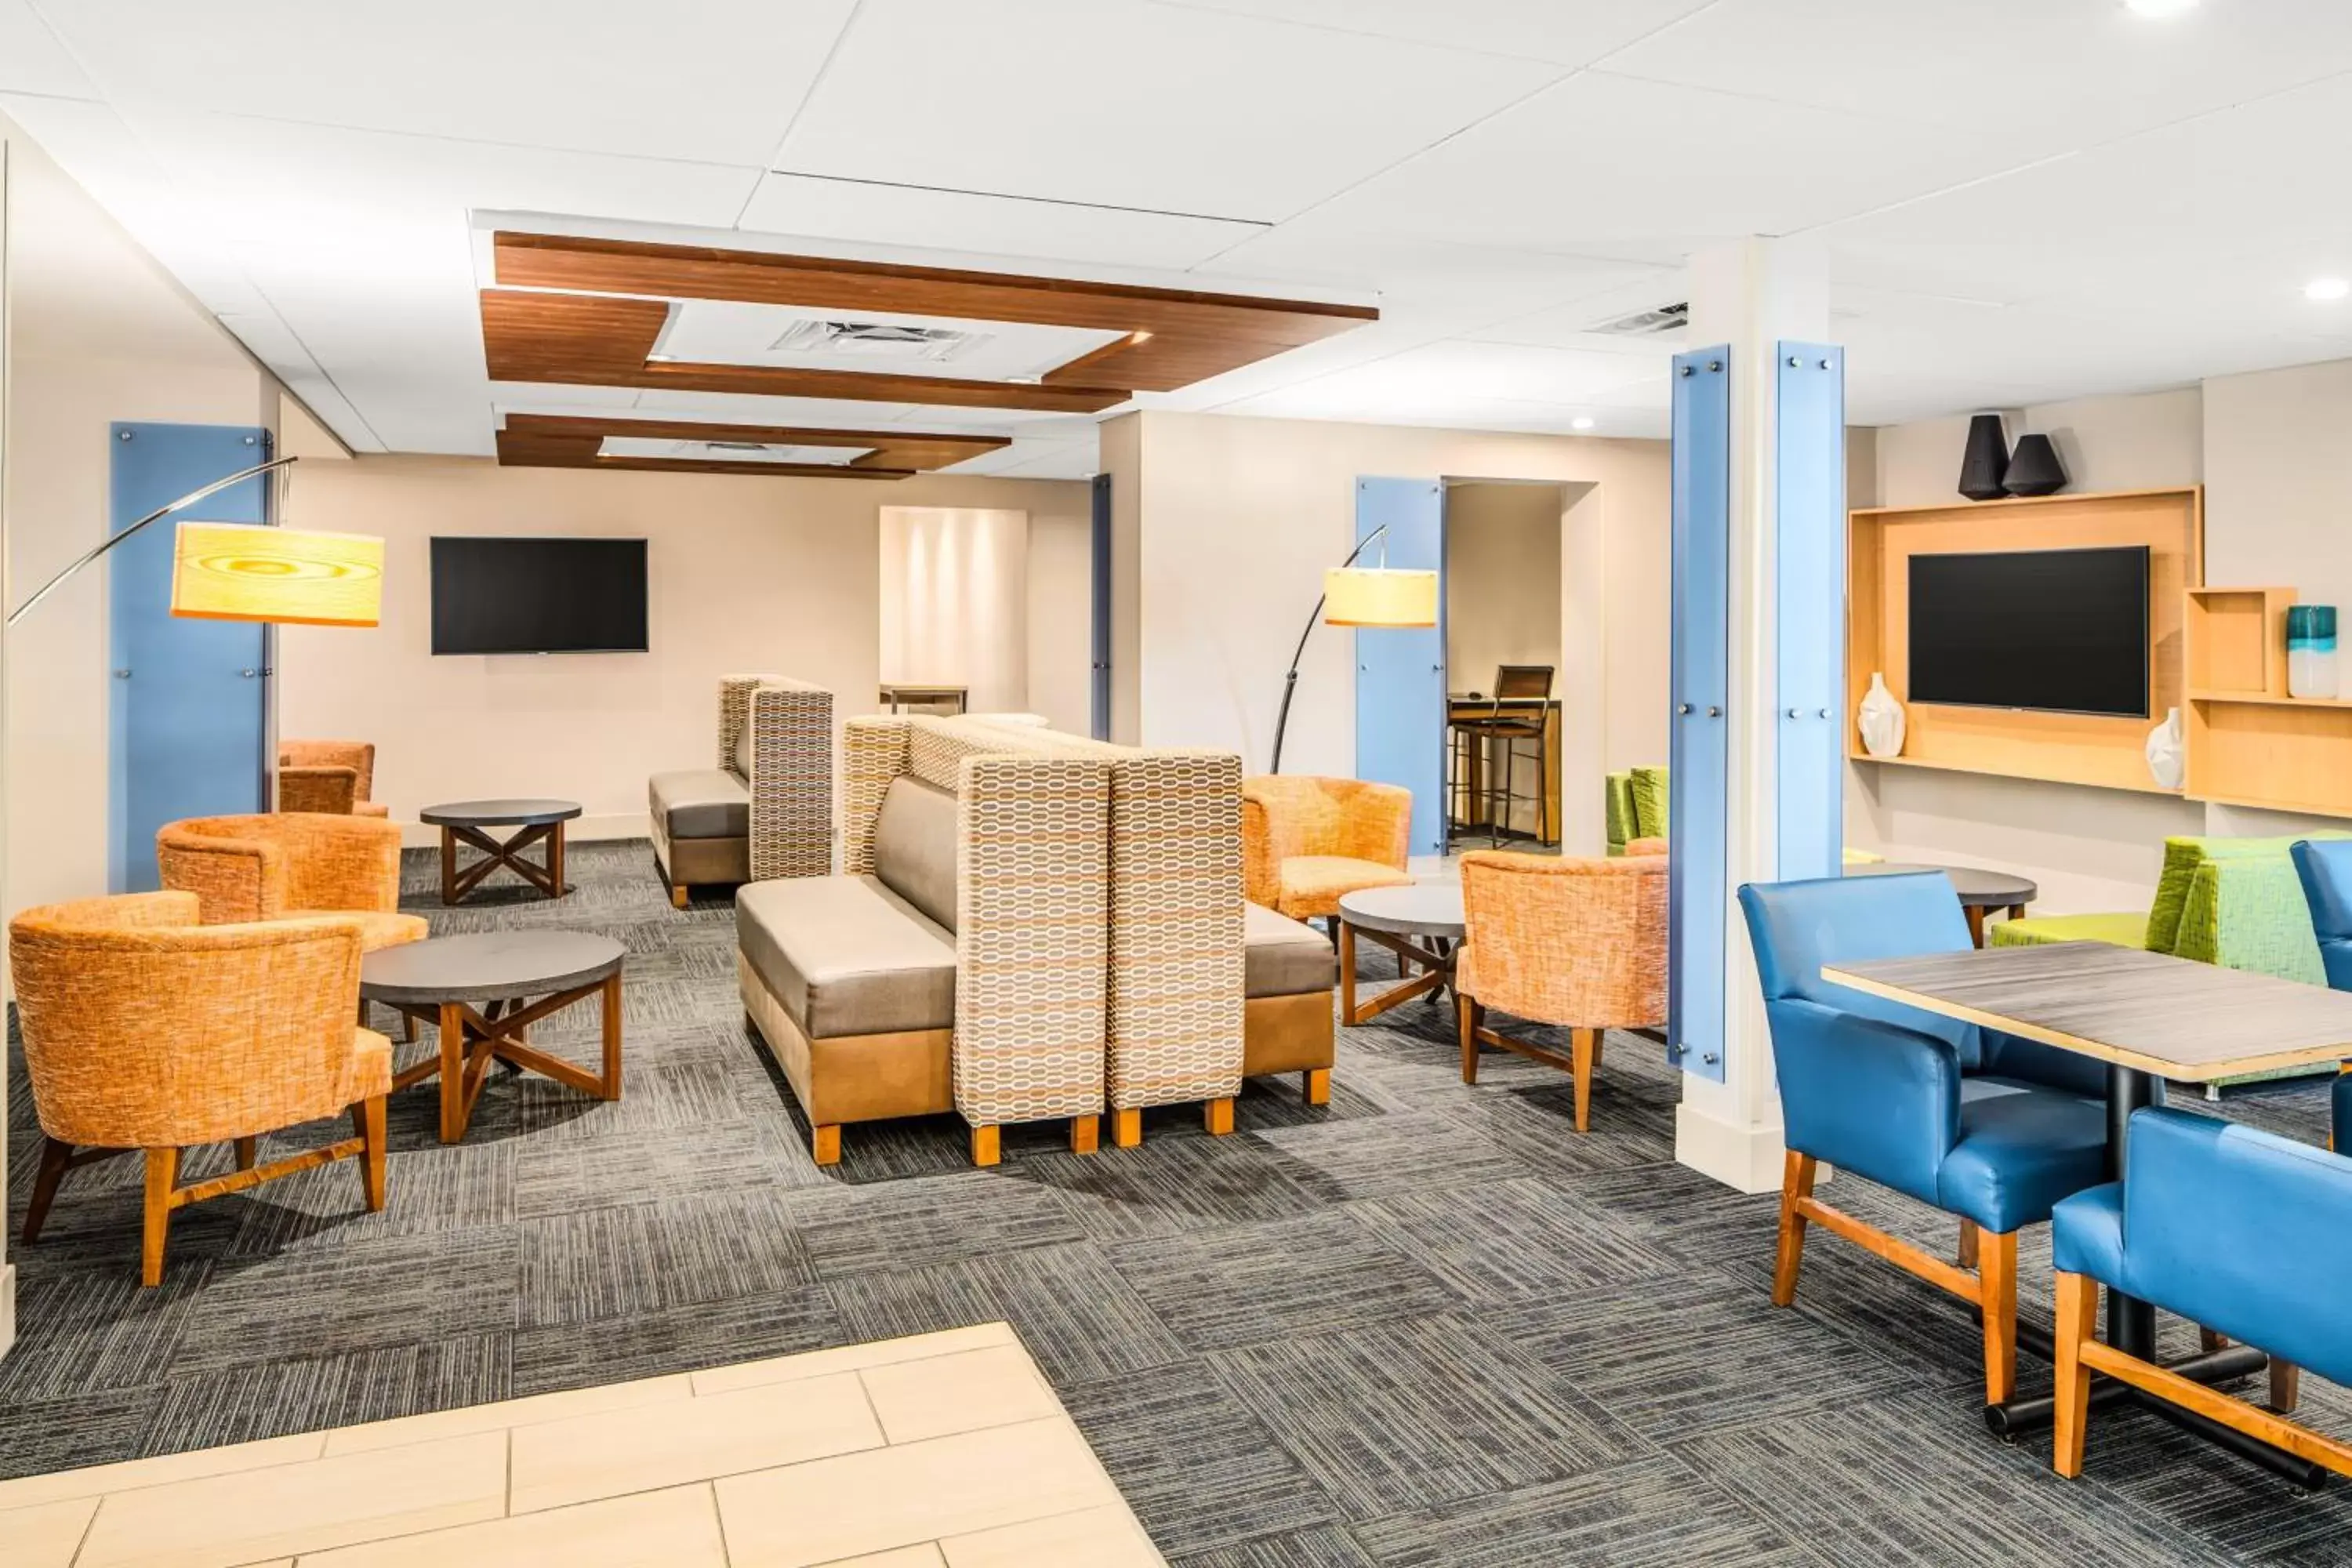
(2160, 7)
(1579, 422)
(2326, 289)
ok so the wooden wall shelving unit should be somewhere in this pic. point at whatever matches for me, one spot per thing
(2249, 742)
(2058, 748)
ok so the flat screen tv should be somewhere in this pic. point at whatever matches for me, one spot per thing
(539, 595)
(2059, 631)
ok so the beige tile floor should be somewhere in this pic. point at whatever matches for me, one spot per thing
(945, 1450)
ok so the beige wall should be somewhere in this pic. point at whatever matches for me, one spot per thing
(1061, 620)
(1502, 580)
(955, 602)
(745, 573)
(1238, 518)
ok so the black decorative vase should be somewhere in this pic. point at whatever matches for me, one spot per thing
(2034, 468)
(1985, 463)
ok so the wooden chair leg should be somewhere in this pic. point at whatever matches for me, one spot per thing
(1086, 1133)
(55, 1154)
(408, 1029)
(1968, 1259)
(1581, 1050)
(1468, 1013)
(825, 1145)
(987, 1148)
(1126, 1127)
(1997, 1278)
(677, 895)
(163, 1172)
(1318, 1086)
(2078, 1316)
(247, 1151)
(2286, 1386)
(1218, 1115)
(1796, 1183)
(367, 1121)
(2211, 1340)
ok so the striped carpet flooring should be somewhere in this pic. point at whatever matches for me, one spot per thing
(1428, 1324)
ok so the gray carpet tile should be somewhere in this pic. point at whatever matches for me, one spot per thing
(1225, 1482)
(594, 1263)
(1079, 1318)
(1325, 1546)
(1428, 1323)
(1650, 1513)
(1248, 1284)
(1405, 1415)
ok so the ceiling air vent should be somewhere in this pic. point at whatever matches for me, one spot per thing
(1645, 323)
(876, 339)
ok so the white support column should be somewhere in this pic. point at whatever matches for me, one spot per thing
(1750, 294)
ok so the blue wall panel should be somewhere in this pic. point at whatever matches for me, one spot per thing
(1810, 607)
(1697, 812)
(1100, 680)
(1401, 674)
(187, 714)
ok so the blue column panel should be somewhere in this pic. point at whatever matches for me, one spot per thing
(188, 696)
(1810, 607)
(1100, 564)
(1401, 673)
(1698, 810)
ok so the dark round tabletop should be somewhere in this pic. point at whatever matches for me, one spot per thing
(1977, 888)
(499, 812)
(492, 966)
(1424, 909)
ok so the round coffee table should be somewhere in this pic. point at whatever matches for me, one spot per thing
(465, 819)
(1980, 892)
(478, 990)
(1421, 924)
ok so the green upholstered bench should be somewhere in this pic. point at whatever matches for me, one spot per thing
(1634, 803)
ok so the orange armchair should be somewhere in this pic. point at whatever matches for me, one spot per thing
(286, 865)
(145, 1030)
(1575, 944)
(1306, 842)
(333, 776)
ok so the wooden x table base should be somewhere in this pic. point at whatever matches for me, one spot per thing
(471, 1039)
(548, 879)
(1435, 962)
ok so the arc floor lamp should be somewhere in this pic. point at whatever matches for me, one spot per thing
(1377, 597)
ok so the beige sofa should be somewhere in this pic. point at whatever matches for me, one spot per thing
(766, 810)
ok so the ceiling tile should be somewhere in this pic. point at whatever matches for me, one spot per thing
(749, 408)
(2062, 74)
(1132, 104)
(595, 75)
(1568, 35)
(1004, 226)
(32, 60)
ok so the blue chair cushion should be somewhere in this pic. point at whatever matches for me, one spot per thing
(2086, 1234)
(2244, 1231)
(2007, 1056)
(1798, 926)
(2344, 1113)
(2325, 867)
(2023, 1147)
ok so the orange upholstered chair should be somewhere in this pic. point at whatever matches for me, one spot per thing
(1579, 944)
(286, 865)
(1306, 842)
(333, 776)
(145, 1030)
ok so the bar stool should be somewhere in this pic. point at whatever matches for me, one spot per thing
(1520, 711)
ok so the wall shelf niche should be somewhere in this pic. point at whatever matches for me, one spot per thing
(2249, 742)
(2054, 748)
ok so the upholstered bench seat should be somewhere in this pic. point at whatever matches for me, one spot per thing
(1286, 958)
(701, 803)
(1288, 977)
(846, 955)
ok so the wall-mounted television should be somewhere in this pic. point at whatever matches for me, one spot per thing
(539, 595)
(2059, 631)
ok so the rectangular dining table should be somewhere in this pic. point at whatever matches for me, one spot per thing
(2149, 1017)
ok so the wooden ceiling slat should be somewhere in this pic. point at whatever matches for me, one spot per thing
(575, 441)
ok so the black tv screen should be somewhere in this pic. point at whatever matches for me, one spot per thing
(539, 595)
(2062, 631)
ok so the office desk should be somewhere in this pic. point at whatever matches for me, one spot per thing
(1461, 705)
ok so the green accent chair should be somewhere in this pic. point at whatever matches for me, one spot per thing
(2236, 902)
(1634, 802)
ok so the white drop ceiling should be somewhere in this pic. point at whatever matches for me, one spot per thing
(2022, 200)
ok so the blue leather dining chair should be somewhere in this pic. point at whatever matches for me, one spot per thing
(1985, 1126)
(2325, 866)
(2237, 1229)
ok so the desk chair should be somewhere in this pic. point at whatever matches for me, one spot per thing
(2325, 867)
(1518, 711)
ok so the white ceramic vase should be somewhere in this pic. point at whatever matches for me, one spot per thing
(2168, 760)
(1881, 720)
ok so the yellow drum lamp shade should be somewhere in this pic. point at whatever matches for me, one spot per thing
(241, 571)
(1378, 596)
